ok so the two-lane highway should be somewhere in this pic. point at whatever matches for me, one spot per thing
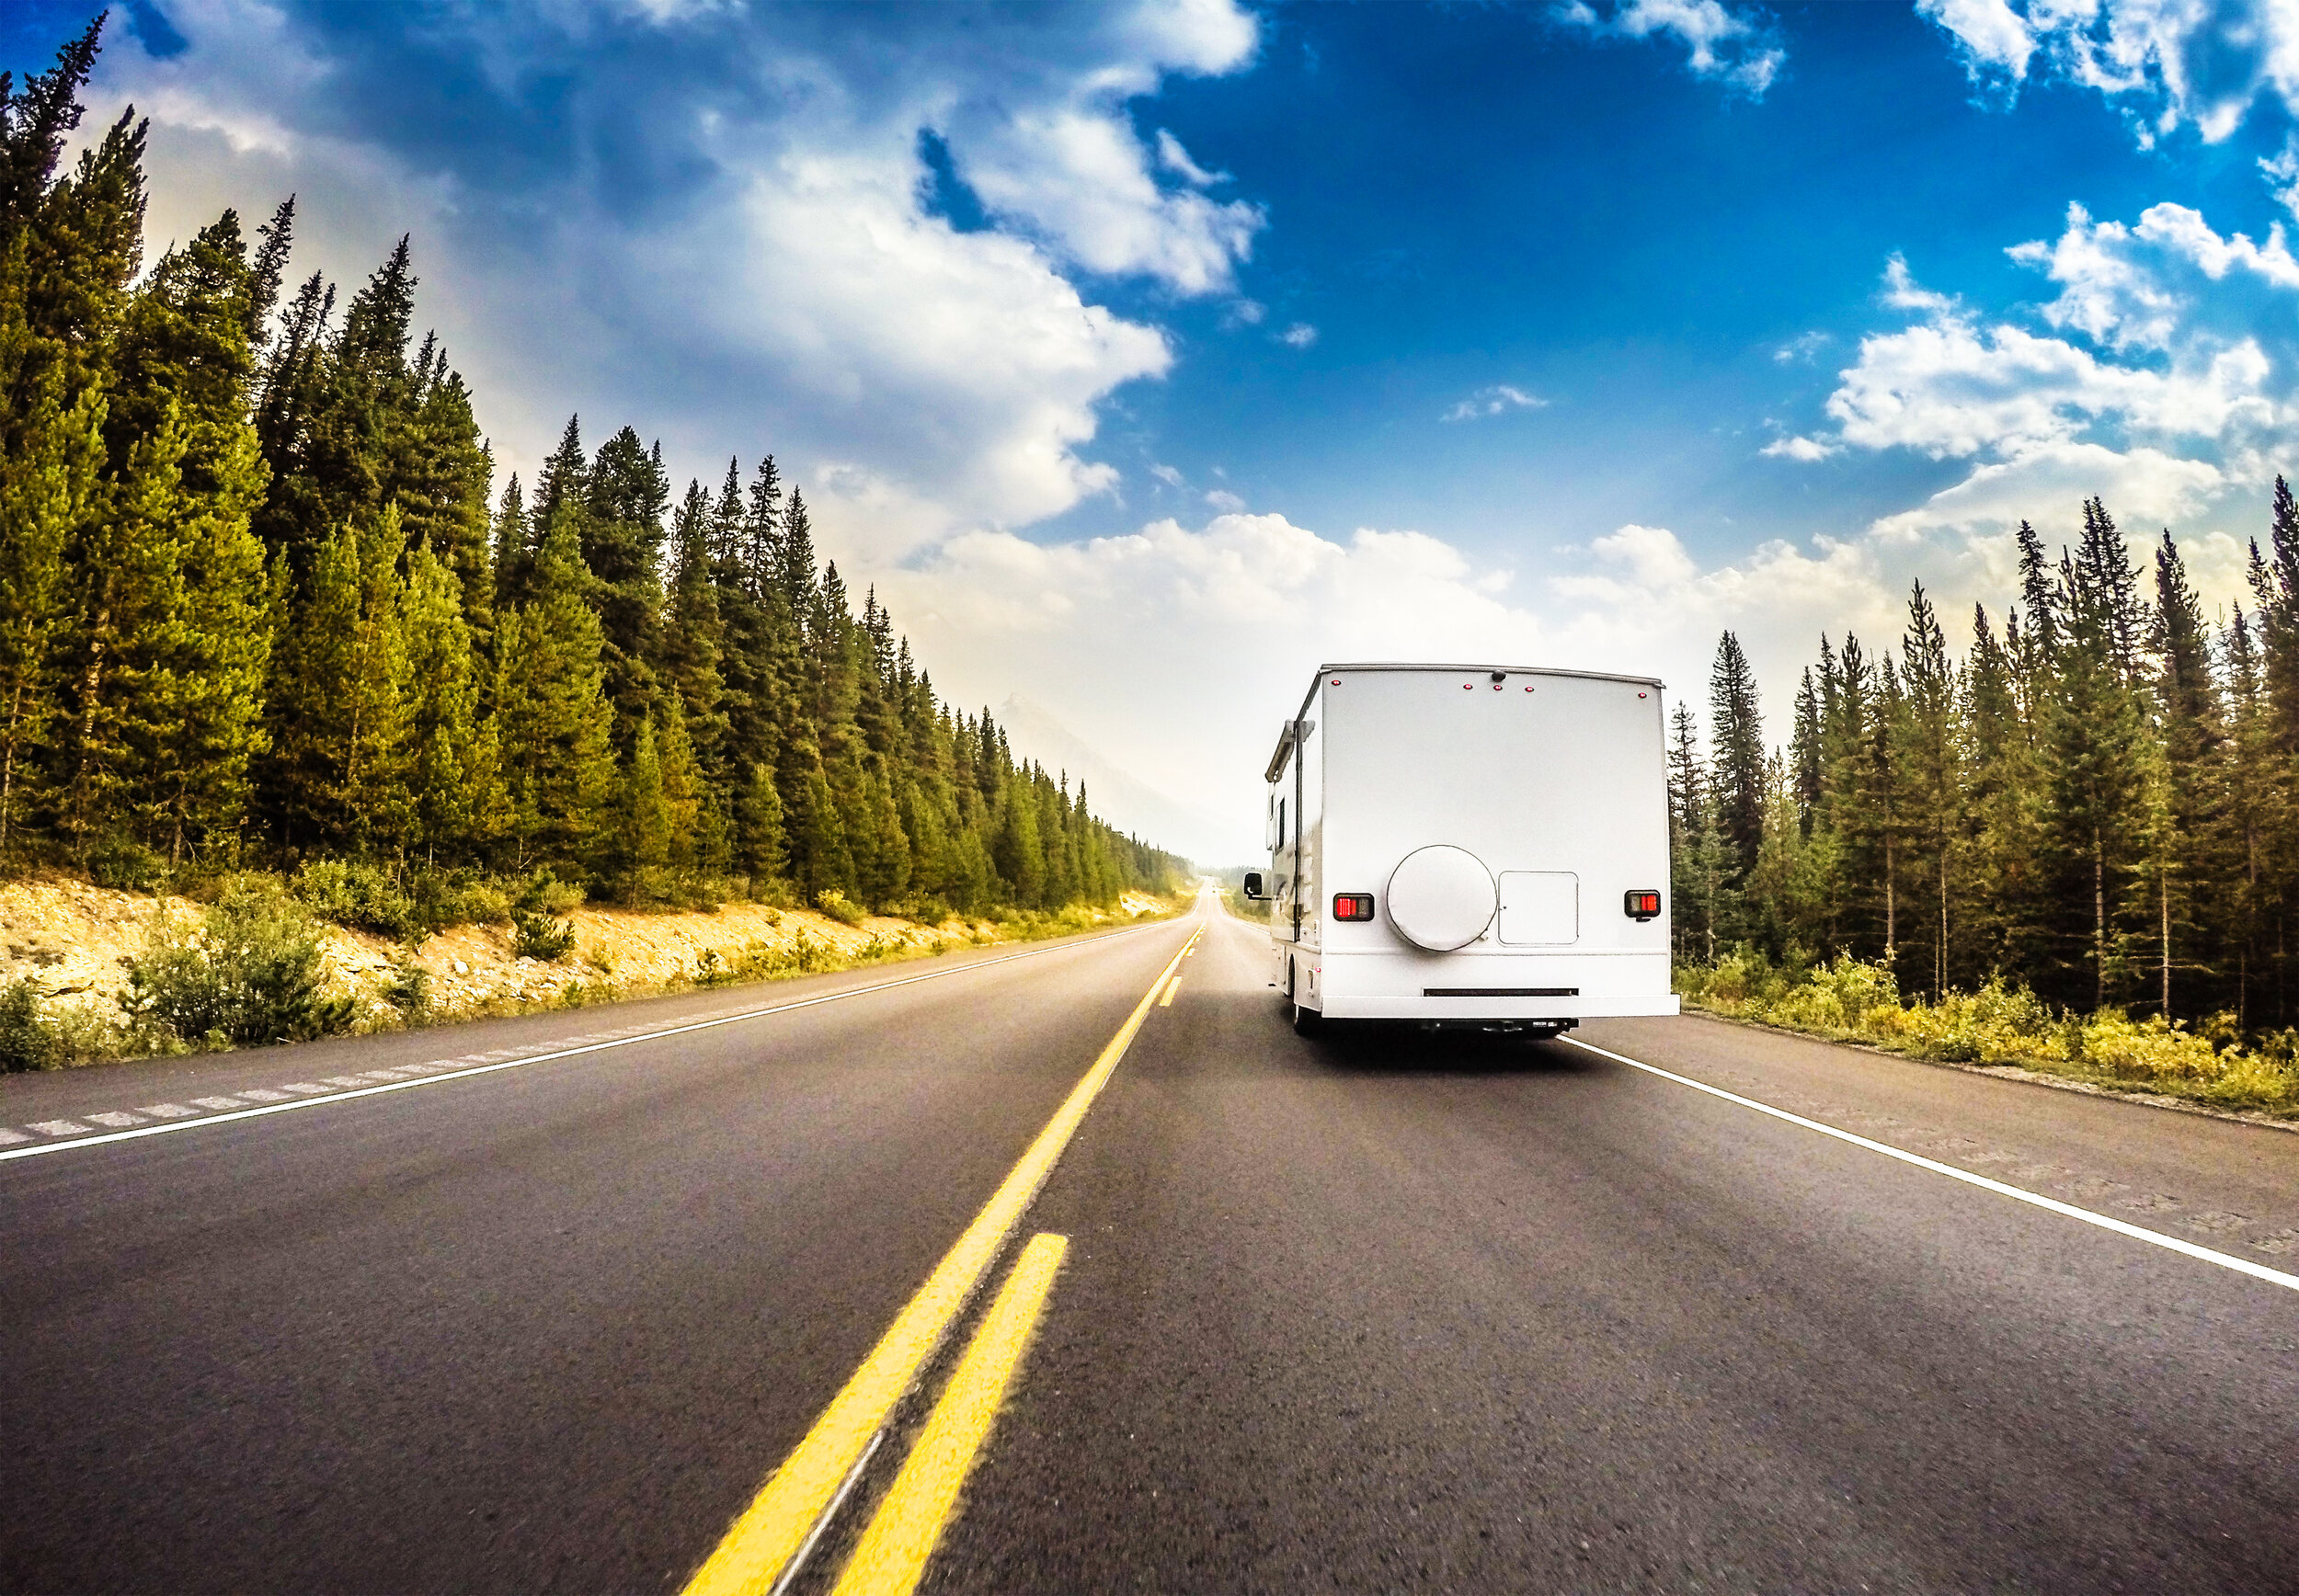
(544, 1329)
(1369, 1314)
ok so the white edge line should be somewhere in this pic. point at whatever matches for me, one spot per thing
(206, 1121)
(2138, 1232)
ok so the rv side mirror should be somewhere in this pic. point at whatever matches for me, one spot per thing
(1254, 884)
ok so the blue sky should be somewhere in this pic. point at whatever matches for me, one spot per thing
(1144, 354)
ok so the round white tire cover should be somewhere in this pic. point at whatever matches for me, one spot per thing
(1442, 897)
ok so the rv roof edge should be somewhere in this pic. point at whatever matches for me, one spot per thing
(1510, 669)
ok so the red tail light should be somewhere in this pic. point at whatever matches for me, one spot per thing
(1641, 906)
(1353, 905)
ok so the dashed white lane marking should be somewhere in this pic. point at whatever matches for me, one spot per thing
(302, 1088)
(256, 1094)
(2053, 1204)
(359, 1085)
(115, 1119)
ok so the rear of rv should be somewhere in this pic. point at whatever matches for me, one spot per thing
(1474, 844)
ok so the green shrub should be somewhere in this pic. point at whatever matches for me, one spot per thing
(535, 935)
(835, 904)
(443, 899)
(352, 892)
(537, 932)
(408, 991)
(125, 865)
(253, 972)
(27, 1041)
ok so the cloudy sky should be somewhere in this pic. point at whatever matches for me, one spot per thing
(1144, 355)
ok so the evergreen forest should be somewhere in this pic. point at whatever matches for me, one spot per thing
(261, 604)
(2097, 801)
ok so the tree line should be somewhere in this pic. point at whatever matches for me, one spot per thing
(2098, 800)
(259, 604)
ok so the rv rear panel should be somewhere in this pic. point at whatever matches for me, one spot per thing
(1500, 819)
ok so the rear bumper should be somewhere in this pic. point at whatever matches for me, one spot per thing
(1483, 985)
(1614, 1007)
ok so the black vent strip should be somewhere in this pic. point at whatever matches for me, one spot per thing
(1500, 991)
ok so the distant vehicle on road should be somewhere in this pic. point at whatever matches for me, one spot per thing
(1480, 846)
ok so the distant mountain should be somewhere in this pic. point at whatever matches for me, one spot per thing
(1124, 799)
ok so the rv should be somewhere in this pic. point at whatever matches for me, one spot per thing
(1476, 845)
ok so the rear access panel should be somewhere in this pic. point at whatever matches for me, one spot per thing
(1539, 909)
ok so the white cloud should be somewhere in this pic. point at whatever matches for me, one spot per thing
(2135, 287)
(1166, 474)
(2169, 63)
(1225, 501)
(2161, 382)
(1181, 649)
(1299, 336)
(1951, 388)
(1175, 159)
(1497, 400)
(1800, 449)
(1902, 293)
(1721, 43)
(764, 271)
(1801, 348)
(1995, 38)
(2040, 482)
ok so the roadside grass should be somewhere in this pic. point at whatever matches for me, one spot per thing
(250, 971)
(2002, 1024)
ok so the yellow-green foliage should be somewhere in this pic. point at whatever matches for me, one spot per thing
(2000, 1024)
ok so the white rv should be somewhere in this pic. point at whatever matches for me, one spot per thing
(1477, 845)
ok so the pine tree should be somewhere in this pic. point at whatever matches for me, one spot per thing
(682, 795)
(2005, 798)
(127, 625)
(50, 457)
(556, 725)
(621, 537)
(2192, 731)
(1804, 756)
(460, 807)
(1694, 852)
(1932, 776)
(1737, 772)
(645, 848)
(183, 353)
(2095, 739)
(2260, 804)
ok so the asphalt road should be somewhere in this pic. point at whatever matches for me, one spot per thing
(1360, 1314)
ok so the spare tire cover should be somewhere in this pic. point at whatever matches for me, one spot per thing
(1442, 897)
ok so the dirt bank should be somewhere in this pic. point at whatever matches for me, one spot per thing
(77, 942)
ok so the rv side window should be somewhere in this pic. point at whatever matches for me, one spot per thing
(1281, 823)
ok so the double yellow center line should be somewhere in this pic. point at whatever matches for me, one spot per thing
(780, 1519)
